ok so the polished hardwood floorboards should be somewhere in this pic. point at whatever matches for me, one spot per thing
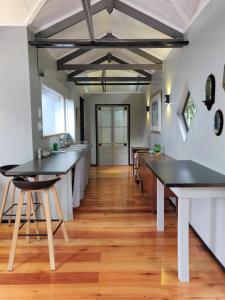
(114, 252)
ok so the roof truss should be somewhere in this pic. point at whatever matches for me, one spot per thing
(70, 21)
(97, 61)
(80, 52)
(146, 19)
(109, 57)
(109, 5)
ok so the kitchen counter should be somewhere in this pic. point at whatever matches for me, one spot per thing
(55, 164)
(70, 188)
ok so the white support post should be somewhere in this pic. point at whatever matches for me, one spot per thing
(183, 239)
(160, 206)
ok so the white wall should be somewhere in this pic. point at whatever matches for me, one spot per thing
(21, 95)
(15, 108)
(43, 62)
(138, 130)
(189, 68)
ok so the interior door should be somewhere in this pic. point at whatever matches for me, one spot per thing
(104, 135)
(120, 135)
(112, 135)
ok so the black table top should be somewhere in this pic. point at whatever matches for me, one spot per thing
(185, 173)
(55, 164)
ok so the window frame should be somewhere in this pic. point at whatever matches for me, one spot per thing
(63, 105)
(183, 111)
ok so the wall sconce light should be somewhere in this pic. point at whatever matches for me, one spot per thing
(147, 108)
(167, 99)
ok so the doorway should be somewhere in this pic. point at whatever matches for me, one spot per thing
(112, 134)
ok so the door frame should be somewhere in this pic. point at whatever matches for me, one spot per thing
(96, 128)
(82, 134)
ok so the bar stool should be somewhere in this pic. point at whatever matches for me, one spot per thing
(3, 170)
(27, 187)
(9, 211)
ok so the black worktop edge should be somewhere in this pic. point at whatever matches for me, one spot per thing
(187, 185)
(9, 173)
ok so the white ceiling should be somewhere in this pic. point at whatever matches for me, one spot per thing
(40, 14)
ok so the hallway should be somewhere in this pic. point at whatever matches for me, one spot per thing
(114, 252)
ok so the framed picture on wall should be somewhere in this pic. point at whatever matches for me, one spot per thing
(156, 112)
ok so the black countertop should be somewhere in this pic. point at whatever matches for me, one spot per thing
(55, 164)
(185, 173)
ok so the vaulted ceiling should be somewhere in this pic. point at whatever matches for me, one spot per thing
(123, 19)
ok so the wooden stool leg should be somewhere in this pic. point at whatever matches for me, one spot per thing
(35, 217)
(49, 230)
(28, 216)
(15, 231)
(12, 202)
(59, 213)
(4, 198)
(41, 202)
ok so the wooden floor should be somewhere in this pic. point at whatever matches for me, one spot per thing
(115, 252)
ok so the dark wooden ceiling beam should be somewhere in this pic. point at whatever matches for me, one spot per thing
(111, 79)
(97, 61)
(146, 19)
(71, 56)
(75, 54)
(111, 83)
(120, 61)
(109, 43)
(103, 85)
(70, 21)
(139, 52)
(87, 11)
(146, 55)
(109, 6)
(80, 52)
(83, 67)
(109, 57)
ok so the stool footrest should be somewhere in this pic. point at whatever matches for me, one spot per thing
(40, 220)
(15, 204)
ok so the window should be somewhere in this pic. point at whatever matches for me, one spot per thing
(189, 111)
(186, 112)
(53, 112)
(70, 118)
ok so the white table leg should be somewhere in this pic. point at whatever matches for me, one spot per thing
(160, 206)
(183, 239)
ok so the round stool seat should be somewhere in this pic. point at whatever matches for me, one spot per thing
(4, 169)
(24, 184)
